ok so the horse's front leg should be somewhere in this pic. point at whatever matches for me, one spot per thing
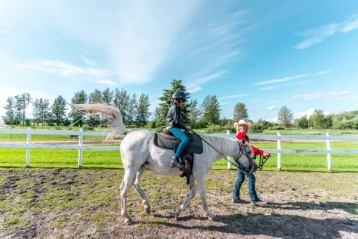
(202, 193)
(188, 199)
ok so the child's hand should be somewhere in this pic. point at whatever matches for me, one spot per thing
(265, 154)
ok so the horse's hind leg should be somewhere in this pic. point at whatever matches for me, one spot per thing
(127, 181)
(187, 200)
(140, 191)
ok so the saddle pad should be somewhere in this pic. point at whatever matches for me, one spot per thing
(170, 142)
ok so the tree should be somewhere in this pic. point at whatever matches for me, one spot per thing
(302, 122)
(194, 114)
(211, 110)
(21, 103)
(320, 121)
(166, 100)
(107, 96)
(132, 109)
(285, 116)
(95, 97)
(240, 112)
(80, 97)
(142, 110)
(121, 101)
(41, 110)
(58, 110)
(10, 111)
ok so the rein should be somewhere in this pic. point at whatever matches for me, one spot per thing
(221, 153)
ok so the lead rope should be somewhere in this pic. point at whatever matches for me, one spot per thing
(229, 161)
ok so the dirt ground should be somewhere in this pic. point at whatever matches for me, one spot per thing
(71, 203)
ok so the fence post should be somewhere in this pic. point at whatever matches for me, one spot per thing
(28, 144)
(80, 143)
(329, 155)
(228, 158)
(278, 151)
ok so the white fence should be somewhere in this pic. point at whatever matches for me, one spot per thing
(80, 146)
(327, 138)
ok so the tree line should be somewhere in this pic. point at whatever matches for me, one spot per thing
(135, 112)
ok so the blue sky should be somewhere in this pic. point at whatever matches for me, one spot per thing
(266, 54)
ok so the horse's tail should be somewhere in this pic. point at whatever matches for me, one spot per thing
(115, 119)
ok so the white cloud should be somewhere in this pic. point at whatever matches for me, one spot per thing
(109, 83)
(63, 68)
(308, 113)
(231, 97)
(325, 95)
(271, 107)
(317, 35)
(195, 84)
(273, 119)
(88, 61)
(256, 100)
(287, 80)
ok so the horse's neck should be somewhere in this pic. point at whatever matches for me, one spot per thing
(223, 146)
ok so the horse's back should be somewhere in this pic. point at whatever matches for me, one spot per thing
(134, 147)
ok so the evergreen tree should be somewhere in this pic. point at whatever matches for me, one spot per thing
(80, 97)
(240, 112)
(211, 110)
(166, 100)
(58, 110)
(142, 110)
(107, 96)
(95, 97)
(10, 111)
(121, 101)
(285, 116)
(132, 109)
(21, 103)
(41, 110)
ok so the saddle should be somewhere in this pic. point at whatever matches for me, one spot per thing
(167, 141)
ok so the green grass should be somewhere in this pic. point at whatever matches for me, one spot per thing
(111, 159)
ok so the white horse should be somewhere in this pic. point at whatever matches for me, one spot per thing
(138, 151)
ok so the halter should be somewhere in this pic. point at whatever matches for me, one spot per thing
(262, 161)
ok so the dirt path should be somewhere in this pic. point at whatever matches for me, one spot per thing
(38, 203)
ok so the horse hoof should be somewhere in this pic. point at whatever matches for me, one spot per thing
(176, 215)
(147, 210)
(128, 221)
(210, 216)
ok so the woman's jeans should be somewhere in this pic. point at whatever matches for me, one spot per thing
(240, 179)
(184, 140)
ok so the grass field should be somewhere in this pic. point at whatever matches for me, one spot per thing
(111, 159)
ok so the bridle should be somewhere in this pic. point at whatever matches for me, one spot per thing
(262, 161)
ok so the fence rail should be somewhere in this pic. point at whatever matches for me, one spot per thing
(80, 146)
